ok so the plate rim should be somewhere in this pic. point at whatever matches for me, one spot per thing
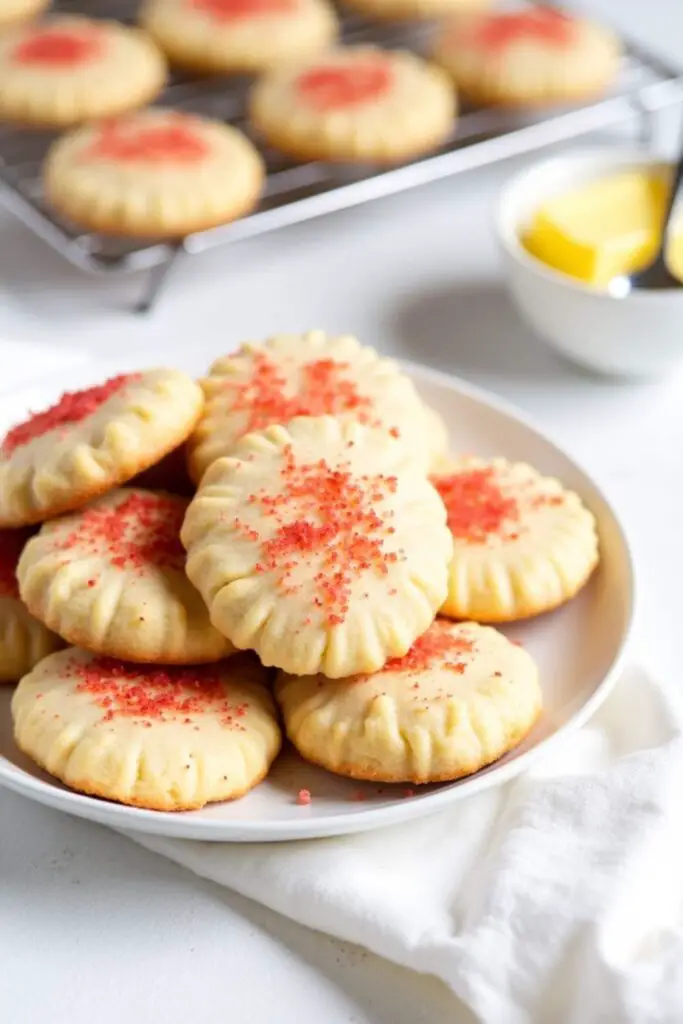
(171, 824)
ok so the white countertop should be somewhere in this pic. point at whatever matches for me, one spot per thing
(92, 928)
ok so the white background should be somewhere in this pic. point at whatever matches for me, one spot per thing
(93, 928)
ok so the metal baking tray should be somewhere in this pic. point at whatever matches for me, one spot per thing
(297, 192)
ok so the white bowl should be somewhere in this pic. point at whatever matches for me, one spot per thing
(640, 335)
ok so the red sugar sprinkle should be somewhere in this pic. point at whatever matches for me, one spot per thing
(476, 506)
(127, 141)
(151, 693)
(72, 407)
(303, 797)
(438, 647)
(11, 545)
(61, 47)
(141, 531)
(548, 26)
(227, 10)
(334, 87)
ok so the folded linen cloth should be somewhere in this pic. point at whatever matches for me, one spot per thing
(558, 897)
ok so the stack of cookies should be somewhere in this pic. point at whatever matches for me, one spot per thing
(336, 573)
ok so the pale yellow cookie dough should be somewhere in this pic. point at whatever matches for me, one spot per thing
(155, 173)
(166, 739)
(239, 36)
(15, 11)
(111, 578)
(358, 103)
(23, 640)
(533, 57)
(320, 546)
(67, 69)
(91, 441)
(522, 543)
(463, 696)
(310, 374)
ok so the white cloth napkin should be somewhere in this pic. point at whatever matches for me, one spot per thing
(556, 898)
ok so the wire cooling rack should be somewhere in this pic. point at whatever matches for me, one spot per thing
(296, 192)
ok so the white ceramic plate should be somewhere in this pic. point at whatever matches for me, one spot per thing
(579, 649)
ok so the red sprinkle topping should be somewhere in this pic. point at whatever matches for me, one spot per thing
(140, 532)
(476, 506)
(303, 797)
(175, 141)
(336, 523)
(60, 47)
(499, 31)
(150, 693)
(11, 545)
(72, 407)
(336, 86)
(229, 10)
(437, 648)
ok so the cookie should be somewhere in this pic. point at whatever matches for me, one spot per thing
(358, 103)
(68, 69)
(461, 698)
(166, 739)
(522, 543)
(312, 374)
(157, 173)
(15, 11)
(320, 546)
(91, 441)
(410, 10)
(239, 36)
(536, 56)
(23, 640)
(111, 578)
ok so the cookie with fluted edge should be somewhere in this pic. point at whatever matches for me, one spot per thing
(536, 56)
(166, 739)
(312, 374)
(356, 103)
(13, 12)
(461, 698)
(239, 36)
(156, 173)
(319, 545)
(91, 441)
(66, 69)
(523, 544)
(111, 577)
(23, 640)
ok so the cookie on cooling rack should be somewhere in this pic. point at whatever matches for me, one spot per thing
(319, 545)
(535, 56)
(357, 103)
(13, 12)
(155, 173)
(312, 374)
(111, 578)
(523, 544)
(67, 69)
(167, 739)
(91, 441)
(239, 36)
(461, 698)
(23, 640)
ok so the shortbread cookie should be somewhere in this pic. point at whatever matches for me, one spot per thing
(533, 57)
(90, 441)
(111, 577)
(23, 640)
(229, 36)
(167, 739)
(320, 546)
(68, 69)
(522, 543)
(461, 697)
(15, 11)
(155, 173)
(311, 374)
(355, 104)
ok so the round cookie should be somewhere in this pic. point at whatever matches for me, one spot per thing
(23, 640)
(15, 11)
(239, 36)
(312, 374)
(111, 578)
(358, 103)
(536, 56)
(155, 173)
(68, 69)
(463, 696)
(522, 543)
(91, 441)
(166, 739)
(319, 546)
